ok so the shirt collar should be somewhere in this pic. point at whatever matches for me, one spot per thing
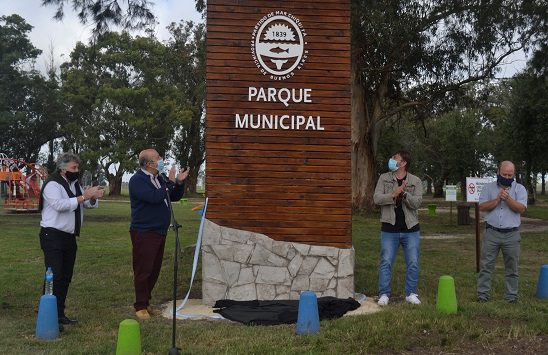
(394, 177)
(147, 172)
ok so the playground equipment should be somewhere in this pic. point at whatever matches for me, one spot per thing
(20, 184)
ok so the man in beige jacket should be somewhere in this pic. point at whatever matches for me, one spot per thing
(399, 194)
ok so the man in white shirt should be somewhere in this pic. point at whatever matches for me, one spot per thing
(61, 204)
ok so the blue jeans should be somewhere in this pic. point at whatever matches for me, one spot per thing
(390, 243)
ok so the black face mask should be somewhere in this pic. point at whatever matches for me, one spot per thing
(72, 176)
(504, 181)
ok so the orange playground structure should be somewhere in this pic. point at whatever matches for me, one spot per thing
(20, 184)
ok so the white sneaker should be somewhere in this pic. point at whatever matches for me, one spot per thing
(413, 299)
(383, 300)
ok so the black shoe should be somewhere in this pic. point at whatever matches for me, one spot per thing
(481, 300)
(68, 321)
(513, 301)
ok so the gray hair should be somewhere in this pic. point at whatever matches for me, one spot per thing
(64, 158)
(143, 160)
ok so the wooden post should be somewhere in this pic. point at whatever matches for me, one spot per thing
(451, 212)
(478, 249)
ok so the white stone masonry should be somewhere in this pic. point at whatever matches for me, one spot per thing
(242, 265)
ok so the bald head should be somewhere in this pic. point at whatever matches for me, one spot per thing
(507, 169)
(148, 155)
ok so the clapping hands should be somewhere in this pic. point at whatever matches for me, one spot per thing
(397, 192)
(94, 193)
(180, 177)
(503, 195)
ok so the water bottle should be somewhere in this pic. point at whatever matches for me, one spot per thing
(49, 282)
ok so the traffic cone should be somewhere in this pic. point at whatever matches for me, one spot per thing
(542, 285)
(308, 319)
(447, 298)
(129, 338)
(47, 323)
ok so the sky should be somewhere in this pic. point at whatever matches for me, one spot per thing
(62, 35)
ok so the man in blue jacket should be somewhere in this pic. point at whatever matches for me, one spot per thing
(150, 219)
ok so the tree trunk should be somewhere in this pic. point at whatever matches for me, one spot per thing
(366, 130)
(428, 186)
(363, 176)
(438, 188)
(543, 184)
(529, 184)
(463, 189)
(363, 150)
(114, 184)
(50, 165)
(191, 181)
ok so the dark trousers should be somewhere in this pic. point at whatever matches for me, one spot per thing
(148, 252)
(59, 254)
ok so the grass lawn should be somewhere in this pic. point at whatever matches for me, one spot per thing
(101, 295)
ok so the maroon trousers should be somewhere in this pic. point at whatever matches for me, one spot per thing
(148, 252)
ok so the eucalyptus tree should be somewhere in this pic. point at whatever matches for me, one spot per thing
(414, 55)
(104, 15)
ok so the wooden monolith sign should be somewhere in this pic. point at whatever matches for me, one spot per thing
(278, 119)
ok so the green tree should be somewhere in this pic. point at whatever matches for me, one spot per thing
(186, 65)
(30, 109)
(444, 149)
(119, 101)
(452, 149)
(527, 120)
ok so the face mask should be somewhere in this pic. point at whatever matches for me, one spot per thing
(392, 165)
(72, 175)
(160, 166)
(504, 181)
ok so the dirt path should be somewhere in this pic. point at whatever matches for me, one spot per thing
(528, 225)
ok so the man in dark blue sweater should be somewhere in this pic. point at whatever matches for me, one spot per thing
(150, 218)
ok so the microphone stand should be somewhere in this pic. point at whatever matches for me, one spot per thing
(175, 226)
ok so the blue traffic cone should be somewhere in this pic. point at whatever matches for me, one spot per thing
(308, 319)
(47, 323)
(542, 285)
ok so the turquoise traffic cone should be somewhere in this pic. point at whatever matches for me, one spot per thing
(542, 284)
(47, 323)
(308, 319)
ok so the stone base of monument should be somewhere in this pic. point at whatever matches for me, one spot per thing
(195, 310)
(242, 265)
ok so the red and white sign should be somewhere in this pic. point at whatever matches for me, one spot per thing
(474, 186)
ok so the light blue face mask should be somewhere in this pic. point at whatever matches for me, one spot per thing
(392, 165)
(161, 165)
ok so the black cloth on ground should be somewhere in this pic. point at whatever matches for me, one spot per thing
(280, 311)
